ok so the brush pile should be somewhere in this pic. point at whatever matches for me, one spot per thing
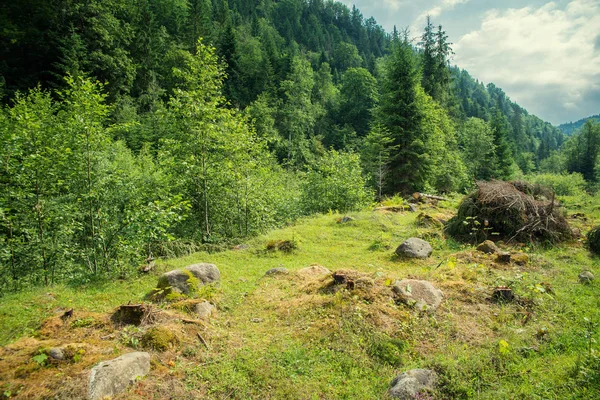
(512, 211)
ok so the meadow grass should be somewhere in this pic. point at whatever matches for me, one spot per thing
(284, 337)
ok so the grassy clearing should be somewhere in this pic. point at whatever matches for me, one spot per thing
(288, 337)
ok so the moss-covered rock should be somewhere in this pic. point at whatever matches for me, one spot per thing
(159, 338)
(180, 283)
(520, 258)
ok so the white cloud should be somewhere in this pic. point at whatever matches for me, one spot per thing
(435, 11)
(545, 58)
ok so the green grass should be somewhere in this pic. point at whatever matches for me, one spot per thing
(278, 338)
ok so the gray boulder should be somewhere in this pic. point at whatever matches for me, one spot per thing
(414, 248)
(183, 280)
(488, 247)
(204, 272)
(277, 271)
(586, 277)
(409, 384)
(110, 378)
(421, 294)
(204, 309)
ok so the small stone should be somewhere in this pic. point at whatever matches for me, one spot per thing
(412, 207)
(56, 353)
(408, 385)
(503, 257)
(345, 219)
(520, 258)
(277, 271)
(586, 277)
(204, 309)
(488, 247)
(112, 377)
(422, 294)
(256, 320)
(414, 248)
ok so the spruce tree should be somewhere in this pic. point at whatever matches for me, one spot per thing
(503, 158)
(398, 112)
(428, 59)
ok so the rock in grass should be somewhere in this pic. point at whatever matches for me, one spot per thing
(112, 377)
(408, 385)
(421, 294)
(520, 258)
(277, 271)
(414, 248)
(586, 277)
(204, 309)
(488, 247)
(207, 273)
(159, 338)
(56, 353)
(187, 280)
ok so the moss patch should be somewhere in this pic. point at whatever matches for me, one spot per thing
(159, 338)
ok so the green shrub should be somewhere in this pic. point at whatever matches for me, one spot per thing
(562, 184)
(335, 182)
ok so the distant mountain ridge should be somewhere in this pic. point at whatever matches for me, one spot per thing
(569, 128)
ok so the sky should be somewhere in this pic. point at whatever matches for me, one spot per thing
(544, 54)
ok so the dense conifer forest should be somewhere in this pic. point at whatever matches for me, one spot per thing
(137, 129)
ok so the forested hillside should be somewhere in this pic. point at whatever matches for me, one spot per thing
(136, 129)
(571, 127)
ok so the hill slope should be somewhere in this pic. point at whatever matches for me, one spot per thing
(293, 336)
(134, 47)
(570, 128)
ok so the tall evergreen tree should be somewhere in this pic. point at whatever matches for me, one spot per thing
(398, 112)
(503, 158)
(429, 62)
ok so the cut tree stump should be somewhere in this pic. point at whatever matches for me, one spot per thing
(503, 294)
(133, 314)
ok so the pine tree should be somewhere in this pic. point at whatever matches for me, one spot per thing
(443, 51)
(429, 63)
(503, 158)
(398, 112)
(375, 153)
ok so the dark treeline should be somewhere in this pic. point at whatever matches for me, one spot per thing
(144, 128)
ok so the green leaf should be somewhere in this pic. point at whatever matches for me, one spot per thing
(40, 359)
(503, 347)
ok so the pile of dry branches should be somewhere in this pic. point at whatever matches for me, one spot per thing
(509, 210)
